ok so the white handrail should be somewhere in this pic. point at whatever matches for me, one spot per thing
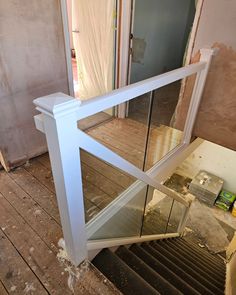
(100, 103)
(118, 96)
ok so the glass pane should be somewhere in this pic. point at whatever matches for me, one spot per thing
(94, 120)
(175, 217)
(162, 136)
(156, 213)
(127, 214)
(102, 183)
(127, 136)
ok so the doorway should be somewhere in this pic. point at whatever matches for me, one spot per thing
(159, 38)
(92, 31)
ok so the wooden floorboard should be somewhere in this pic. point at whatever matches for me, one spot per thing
(17, 277)
(31, 247)
(41, 222)
(38, 192)
(3, 290)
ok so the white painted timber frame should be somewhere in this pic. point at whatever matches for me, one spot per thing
(60, 114)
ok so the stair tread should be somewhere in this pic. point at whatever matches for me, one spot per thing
(176, 268)
(191, 270)
(195, 260)
(121, 275)
(212, 257)
(152, 277)
(217, 265)
(168, 267)
(168, 274)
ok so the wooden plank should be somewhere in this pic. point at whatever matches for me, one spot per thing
(3, 291)
(164, 141)
(15, 273)
(128, 128)
(40, 258)
(135, 143)
(161, 139)
(43, 174)
(45, 198)
(99, 182)
(115, 175)
(119, 149)
(47, 228)
(96, 196)
(103, 183)
(119, 141)
(45, 161)
(38, 192)
(93, 121)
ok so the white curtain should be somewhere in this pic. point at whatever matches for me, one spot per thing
(93, 21)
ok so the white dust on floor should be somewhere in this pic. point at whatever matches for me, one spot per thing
(207, 228)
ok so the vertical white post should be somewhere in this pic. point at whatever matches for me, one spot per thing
(60, 126)
(185, 214)
(206, 56)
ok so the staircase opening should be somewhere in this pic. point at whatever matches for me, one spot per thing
(210, 226)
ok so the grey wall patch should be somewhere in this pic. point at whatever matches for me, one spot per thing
(139, 46)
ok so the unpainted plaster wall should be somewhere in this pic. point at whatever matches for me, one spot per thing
(32, 64)
(213, 158)
(216, 118)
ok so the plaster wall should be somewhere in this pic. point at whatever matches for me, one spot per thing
(216, 118)
(213, 158)
(32, 64)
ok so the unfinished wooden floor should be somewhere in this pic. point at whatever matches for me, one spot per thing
(29, 220)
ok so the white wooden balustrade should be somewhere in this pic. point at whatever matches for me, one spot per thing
(58, 120)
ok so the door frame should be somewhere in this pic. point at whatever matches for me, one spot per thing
(67, 41)
(123, 45)
(125, 54)
(65, 23)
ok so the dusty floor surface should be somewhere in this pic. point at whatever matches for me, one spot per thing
(87, 280)
(209, 227)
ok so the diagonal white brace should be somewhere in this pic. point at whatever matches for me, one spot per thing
(97, 149)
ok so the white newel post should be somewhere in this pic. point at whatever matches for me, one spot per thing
(206, 56)
(58, 122)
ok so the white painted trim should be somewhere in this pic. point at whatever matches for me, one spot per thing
(131, 40)
(206, 57)
(57, 104)
(38, 120)
(67, 46)
(124, 31)
(118, 96)
(107, 243)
